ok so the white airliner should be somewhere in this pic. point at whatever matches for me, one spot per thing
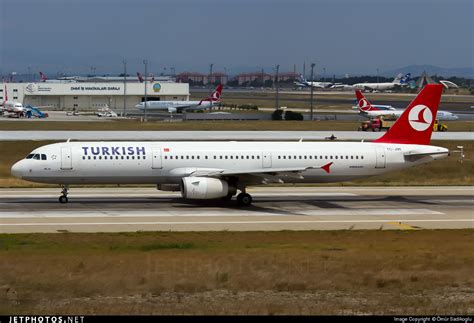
(302, 82)
(179, 106)
(213, 170)
(368, 110)
(11, 107)
(397, 81)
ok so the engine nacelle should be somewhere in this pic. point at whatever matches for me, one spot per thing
(168, 187)
(203, 188)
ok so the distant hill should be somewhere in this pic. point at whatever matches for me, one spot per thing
(417, 70)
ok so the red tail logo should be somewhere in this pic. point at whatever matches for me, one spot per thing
(43, 77)
(215, 96)
(415, 125)
(363, 103)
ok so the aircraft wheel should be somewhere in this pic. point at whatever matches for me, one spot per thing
(63, 199)
(244, 199)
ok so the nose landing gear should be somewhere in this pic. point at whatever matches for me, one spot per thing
(63, 198)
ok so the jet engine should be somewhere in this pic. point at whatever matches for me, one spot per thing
(202, 188)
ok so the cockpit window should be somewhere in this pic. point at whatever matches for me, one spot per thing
(36, 156)
(43, 157)
(30, 156)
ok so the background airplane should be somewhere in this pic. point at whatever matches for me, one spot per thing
(302, 82)
(179, 106)
(11, 107)
(368, 110)
(399, 80)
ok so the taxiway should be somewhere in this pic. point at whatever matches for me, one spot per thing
(274, 208)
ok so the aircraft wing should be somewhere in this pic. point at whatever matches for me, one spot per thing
(268, 174)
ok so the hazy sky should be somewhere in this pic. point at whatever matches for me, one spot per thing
(344, 36)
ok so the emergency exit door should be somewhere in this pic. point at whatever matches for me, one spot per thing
(266, 159)
(380, 157)
(66, 158)
(156, 161)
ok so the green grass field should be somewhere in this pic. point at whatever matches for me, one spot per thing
(448, 171)
(218, 125)
(310, 272)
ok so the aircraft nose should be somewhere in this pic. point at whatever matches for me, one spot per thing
(17, 169)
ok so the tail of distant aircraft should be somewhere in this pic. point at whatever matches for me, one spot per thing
(6, 94)
(215, 96)
(42, 77)
(405, 78)
(140, 77)
(362, 103)
(415, 125)
(402, 79)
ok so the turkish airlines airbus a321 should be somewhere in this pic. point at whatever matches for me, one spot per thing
(212, 170)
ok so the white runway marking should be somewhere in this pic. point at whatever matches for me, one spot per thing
(70, 214)
(238, 222)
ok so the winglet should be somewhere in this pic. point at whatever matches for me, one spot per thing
(326, 167)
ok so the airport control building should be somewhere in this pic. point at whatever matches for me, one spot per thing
(92, 95)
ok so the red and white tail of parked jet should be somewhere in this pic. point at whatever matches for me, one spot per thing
(415, 125)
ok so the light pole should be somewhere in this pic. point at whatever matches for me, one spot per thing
(145, 62)
(210, 76)
(311, 113)
(277, 98)
(124, 88)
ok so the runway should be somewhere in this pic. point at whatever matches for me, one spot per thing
(210, 135)
(274, 208)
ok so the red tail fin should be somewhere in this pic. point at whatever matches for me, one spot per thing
(216, 95)
(43, 77)
(363, 103)
(415, 125)
(6, 94)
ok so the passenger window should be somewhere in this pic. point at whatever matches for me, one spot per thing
(128, 157)
(89, 157)
(197, 157)
(336, 157)
(95, 157)
(361, 157)
(83, 157)
(100, 157)
(105, 157)
(357, 157)
(192, 157)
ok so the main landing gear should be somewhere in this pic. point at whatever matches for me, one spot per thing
(244, 199)
(63, 198)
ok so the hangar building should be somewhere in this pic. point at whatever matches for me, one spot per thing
(63, 95)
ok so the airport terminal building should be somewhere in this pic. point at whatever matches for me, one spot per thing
(91, 96)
